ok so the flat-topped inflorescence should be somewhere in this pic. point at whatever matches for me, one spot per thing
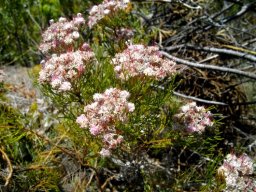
(62, 35)
(236, 172)
(101, 116)
(107, 7)
(60, 71)
(194, 118)
(140, 61)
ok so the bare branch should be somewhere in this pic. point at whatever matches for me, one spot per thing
(5, 157)
(198, 99)
(247, 56)
(207, 66)
(242, 11)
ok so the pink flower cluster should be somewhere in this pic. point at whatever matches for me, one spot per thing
(101, 115)
(61, 70)
(194, 118)
(61, 36)
(236, 172)
(107, 7)
(140, 61)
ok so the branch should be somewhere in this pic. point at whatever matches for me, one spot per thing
(247, 56)
(5, 157)
(107, 181)
(227, 51)
(198, 99)
(207, 66)
(245, 103)
(251, 145)
(189, 6)
(242, 11)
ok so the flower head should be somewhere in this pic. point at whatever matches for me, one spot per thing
(101, 116)
(107, 7)
(60, 71)
(62, 35)
(236, 172)
(139, 60)
(82, 121)
(105, 152)
(194, 118)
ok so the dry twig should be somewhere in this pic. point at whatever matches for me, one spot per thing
(9, 164)
(210, 67)
(239, 54)
(198, 99)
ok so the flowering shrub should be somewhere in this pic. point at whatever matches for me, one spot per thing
(60, 71)
(139, 61)
(194, 118)
(124, 71)
(108, 108)
(62, 35)
(110, 119)
(107, 7)
(236, 172)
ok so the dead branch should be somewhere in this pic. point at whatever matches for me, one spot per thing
(198, 99)
(9, 164)
(210, 67)
(251, 145)
(191, 97)
(243, 55)
(242, 11)
(107, 181)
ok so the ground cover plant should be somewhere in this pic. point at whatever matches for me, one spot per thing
(117, 124)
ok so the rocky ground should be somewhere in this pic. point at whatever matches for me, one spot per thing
(21, 92)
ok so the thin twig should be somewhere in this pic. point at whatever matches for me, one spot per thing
(245, 103)
(242, 11)
(5, 157)
(90, 179)
(211, 67)
(251, 145)
(227, 52)
(249, 42)
(198, 99)
(189, 6)
(107, 181)
(209, 58)
(214, 50)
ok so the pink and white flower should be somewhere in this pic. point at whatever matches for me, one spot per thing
(100, 117)
(107, 7)
(60, 71)
(236, 172)
(140, 61)
(62, 35)
(194, 118)
(105, 152)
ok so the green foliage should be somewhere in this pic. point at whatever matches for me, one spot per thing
(21, 148)
(22, 22)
